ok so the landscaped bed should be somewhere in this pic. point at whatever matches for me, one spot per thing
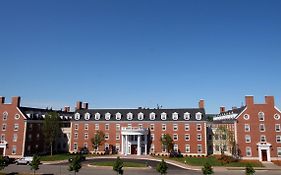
(126, 164)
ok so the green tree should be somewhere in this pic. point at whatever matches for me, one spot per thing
(51, 129)
(162, 167)
(2, 163)
(167, 142)
(118, 166)
(34, 164)
(207, 169)
(75, 164)
(97, 140)
(249, 170)
(225, 140)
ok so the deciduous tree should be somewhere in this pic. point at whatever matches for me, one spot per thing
(97, 140)
(162, 167)
(167, 142)
(118, 166)
(34, 164)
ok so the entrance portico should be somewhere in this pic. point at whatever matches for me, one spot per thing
(3, 146)
(134, 140)
(264, 151)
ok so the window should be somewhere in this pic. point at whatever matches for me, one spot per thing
(75, 135)
(117, 127)
(5, 115)
(262, 138)
(217, 147)
(187, 148)
(140, 116)
(86, 126)
(176, 147)
(86, 136)
(140, 125)
(175, 127)
(199, 137)
(97, 116)
(186, 127)
(198, 116)
(85, 145)
(106, 126)
(106, 146)
(118, 116)
(97, 126)
(16, 127)
(278, 139)
(30, 126)
(15, 138)
(262, 128)
(276, 116)
(163, 116)
(75, 146)
(175, 116)
(246, 116)
(277, 127)
(247, 138)
(117, 136)
(186, 116)
(152, 148)
(37, 136)
(152, 137)
(29, 136)
(106, 136)
(198, 127)
(261, 116)
(130, 126)
(151, 127)
(77, 116)
(279, 151)
(152, 116)
(2, 137)
(248, 151)
(17, 116)
(199, 148)
(247, 128)
(4, 127)
(87, 116)
(76, 126)
(163, 127)
(175, 137)
(186, 137)
(14, 149)
(117, 145)
(107, 116)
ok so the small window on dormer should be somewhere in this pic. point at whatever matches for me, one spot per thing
(87, 116)
(163, 116)
(77, 116)
(175, 116)
(261, 116)
(5, 115)
(129, 116)
(140, 116)
(107, 116)
(97, 116)
(118, 116)
(186, 116)
(152, 116)
(198, 116)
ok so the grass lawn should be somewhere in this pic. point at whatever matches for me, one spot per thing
(55, 157)
(126, 164)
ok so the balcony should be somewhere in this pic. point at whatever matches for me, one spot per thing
(134, 131)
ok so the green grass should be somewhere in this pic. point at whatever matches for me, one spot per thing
(126, 164)
(55, 157)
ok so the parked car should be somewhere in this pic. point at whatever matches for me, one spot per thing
(24, 161)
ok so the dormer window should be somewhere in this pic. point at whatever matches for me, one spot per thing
(163, 116)
(77, 116)
(261, 116)
(130, 116)
(152, 116)
(87, 116)
(140, 116)
(5, 115)
(107, 116)
(198, 116)
(175, 116)
(97, 116)
(186, 116)
(118, 116)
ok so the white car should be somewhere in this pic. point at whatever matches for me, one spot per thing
(24, 160)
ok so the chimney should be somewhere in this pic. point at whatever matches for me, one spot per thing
(85, 105)
(249, 100)
(2, 100)
(78, 105)
(16, 101)
(269, 100)
(222, 109)
(66, 109)
(201, 103)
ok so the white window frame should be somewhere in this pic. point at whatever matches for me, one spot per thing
(186, 127)
(17, 116)
(140, 116)
(278, 151)
(152, 116)
(262, 138)
(107, 116)
(14, 149)
(16, 127)
(176, 147)
(77, 116)
(97, 116)
(186, 116)
(76, 127)
(248, 139)
(152, 126)
(261, 116)
(86, 126)
(4, 127)
(118, 127)
(187, 148)
(97, 126)
(277, 127)
(175, 127)
(175, 137)
(106, 126)
(117, 136)
(198, 116)
(86, 136)
(15, 137)
(87, 116)
(262, 125)
(152, 137)
(198, 127)
(163, 116)
(278, 139)
(248, 151)
(76, 135)
(247, 128)
(106, 136)
(187, 137)
(246, 117)
(201, 148)
(164, 127)
(5, 115)
(118, 116)
(276, 116)
(199, 137)
(130, 116)
(175, 116)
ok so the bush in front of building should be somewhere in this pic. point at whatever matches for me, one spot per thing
(249, 170)
(162, 167)
(207, 169)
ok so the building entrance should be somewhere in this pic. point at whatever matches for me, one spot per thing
(264, 155)
(134, 149)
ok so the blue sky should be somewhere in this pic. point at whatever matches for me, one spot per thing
(140, 53)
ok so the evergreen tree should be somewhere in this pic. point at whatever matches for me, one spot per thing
(162, 167)
(34, 164)
(118, 166)
(2, 163)
(75, 164)
(207, 169)
(249, 170)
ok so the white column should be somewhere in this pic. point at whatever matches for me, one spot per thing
(145, 144)
(139, 146)
(122, 144)
(126, 145)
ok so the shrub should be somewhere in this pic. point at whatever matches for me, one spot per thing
(207, 169)
(249, 170)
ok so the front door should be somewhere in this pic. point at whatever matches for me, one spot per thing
(133, 149)
(264, 155)
(1, 151)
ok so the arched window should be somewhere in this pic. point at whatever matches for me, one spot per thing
(175, 116)
(107, 116)
(77, 116)
(198, 116)
(118, 116)
(261, 116)
(186, 116)
(163, 116)
(140, 116)
(152, 116)
(5, 115)
(130, 116)
(97, 116)
(87, 116)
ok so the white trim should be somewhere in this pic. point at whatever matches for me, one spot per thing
(70, 139)
(241, 113)
(21, 113)
(24, 138)
(205, 135)
(277, 109)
